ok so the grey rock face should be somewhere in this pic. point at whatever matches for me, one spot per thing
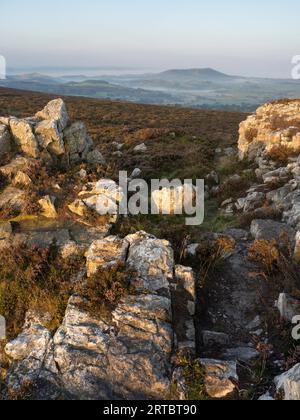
(49, 137)
(184, 303)
(242, 354)
(288, 384)
(215, 339)
(281, 174)
(95, 157)
(125, 357)
(22, 132)
(106, 252)
(271, 230)
(253, 201)
(153, 260)
(278, 196)
(77, 142)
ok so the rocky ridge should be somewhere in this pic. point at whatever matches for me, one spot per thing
(128, 354)
(141, 350)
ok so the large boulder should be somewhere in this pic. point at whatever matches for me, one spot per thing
(55, 111)
(271, 230)
(273, 125)
(77, 142)
(49, 137)
(24, 137)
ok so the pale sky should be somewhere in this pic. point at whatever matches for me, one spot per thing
(256, 38)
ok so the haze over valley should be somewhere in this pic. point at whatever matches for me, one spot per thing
(203, 87)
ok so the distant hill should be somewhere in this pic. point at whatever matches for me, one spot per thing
(202, 88)
(203, 74)
(87, 88)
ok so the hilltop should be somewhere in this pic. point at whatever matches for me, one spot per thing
(145, 307)
(200, 74)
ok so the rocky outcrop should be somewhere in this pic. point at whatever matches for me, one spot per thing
(49, 136)
(273, 125)
(271, 230)
(149, 339)
(107, 252)
(125, 356)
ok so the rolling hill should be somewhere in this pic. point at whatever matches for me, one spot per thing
(201, 88)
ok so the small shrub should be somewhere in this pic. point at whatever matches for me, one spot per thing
(32, 278)
(276, 259)
(194, 378)
(8, 212)
(39, 175)
(266, 212)
(281, 154)
(231, 165)
(210, 256)
(265, 253)
(104, 290)
(31, 205)
(233, 188)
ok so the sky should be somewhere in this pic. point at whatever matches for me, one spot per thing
(253, 38)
